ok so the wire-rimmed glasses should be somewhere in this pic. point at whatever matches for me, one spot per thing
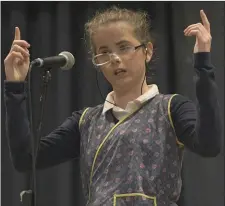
(105, 58)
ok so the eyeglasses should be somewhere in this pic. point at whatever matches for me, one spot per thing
(125, 52)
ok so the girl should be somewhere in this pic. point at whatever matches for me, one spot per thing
(130, 147)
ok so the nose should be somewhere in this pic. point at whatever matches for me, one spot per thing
(115, 58)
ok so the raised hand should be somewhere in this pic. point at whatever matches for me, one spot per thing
(202, 33)
(18, 60)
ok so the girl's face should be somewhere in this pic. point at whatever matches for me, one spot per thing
(127, 66)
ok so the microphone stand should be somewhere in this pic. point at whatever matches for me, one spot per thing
(29, 197)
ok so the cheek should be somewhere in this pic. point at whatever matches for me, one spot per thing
(137, 65)
(107, 73)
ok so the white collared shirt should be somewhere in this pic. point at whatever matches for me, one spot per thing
(132, 105)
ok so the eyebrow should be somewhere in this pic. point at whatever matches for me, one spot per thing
(122, 42)
(118, 43)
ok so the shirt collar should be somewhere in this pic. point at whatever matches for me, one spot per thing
(152, 91)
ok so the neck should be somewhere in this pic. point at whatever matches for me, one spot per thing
(122, 97)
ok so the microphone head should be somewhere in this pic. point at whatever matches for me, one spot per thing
(70, 60)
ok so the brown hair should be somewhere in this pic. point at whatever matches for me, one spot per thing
(138, 19)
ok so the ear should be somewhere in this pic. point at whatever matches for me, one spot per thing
(149, 51)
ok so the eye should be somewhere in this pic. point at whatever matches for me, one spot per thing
(124, 48)
(104, 52)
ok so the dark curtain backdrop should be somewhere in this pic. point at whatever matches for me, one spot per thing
(52, 27)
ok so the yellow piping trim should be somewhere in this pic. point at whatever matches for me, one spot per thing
(114, 200)
(82, 116)
(171, 121)
(133, 195)
(100, 146)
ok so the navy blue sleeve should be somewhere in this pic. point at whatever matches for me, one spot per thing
(198, 126)
(59, 146)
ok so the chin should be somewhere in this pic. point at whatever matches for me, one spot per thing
(123, 83)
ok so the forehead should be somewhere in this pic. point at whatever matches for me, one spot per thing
(113, 33)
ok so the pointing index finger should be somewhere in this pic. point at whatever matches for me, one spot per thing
(205, 20)
(17, 34)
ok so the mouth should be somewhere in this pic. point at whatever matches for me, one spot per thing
(119, 71)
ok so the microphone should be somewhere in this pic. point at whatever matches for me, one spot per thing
(65, 60)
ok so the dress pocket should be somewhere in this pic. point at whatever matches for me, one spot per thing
(134, 199)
